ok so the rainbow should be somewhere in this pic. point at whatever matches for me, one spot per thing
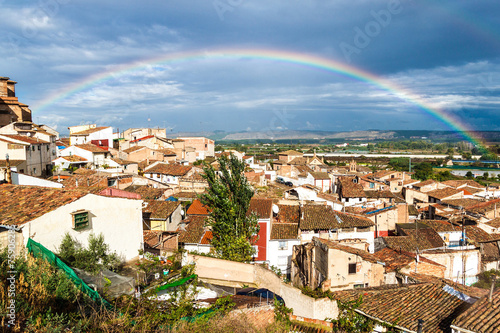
(302, 59)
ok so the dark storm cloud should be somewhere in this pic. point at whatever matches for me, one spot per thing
(445, 53)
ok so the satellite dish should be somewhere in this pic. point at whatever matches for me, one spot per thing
(276, 209)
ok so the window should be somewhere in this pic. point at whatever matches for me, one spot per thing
(48, 147)
(361, 285)
(80, 219)
(372, 185)
(282, 261)
(352, 268)
(33, 148)
(38, 147)
(283, 245)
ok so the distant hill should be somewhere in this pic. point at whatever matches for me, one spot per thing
(312, 136)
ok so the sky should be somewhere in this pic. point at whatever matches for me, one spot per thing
(86, 61)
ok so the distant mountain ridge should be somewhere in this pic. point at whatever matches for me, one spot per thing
(492, 136)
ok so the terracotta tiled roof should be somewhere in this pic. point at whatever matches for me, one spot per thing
(84, 171)
(441, 225)
(465, 202)
(328, 197)
(157, 209)
(346, 248)
(288, 214)
(89, 131)
(13, 163)
(290, 153)
(483, 316)
(284, 231)
(469, 291)
(197, 208)
(298, 161)
(425, 183)
(133, 148)
(74, 158)
(399, 259)
(146, 192)
(349, 189)
(143, 138)
(207, 238)
(458, 183)
(379, 194)
(92, 148)
(167, 152)
(21, 204)
(24, 138)
(443, 193)
(472, 190)
(425, 237)
(169, 169)
(186, 195)
(484, 207)
(195, 229)
(86, 180)
(495, 223)
(123, 162)
(403, 306)
(152, 238)
(320, 217)
(262, 207)
(412, 210)
(320, 175)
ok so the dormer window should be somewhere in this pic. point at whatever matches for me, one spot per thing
(80, 219)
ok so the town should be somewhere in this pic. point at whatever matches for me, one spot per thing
(329, 240)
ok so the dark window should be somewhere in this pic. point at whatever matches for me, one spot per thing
(80, 220)
(38, 147)
(352, 268)
(33, 148)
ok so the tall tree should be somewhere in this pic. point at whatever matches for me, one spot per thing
(228, 196)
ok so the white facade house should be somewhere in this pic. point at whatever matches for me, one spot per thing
(61, 211)
(280, 253)
(95, 156)
(99, 136)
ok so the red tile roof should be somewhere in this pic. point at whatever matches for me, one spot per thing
(320, 217)
(143, 138)
(21, 204)
(132, 149)
(434, 303)
(288, 214)
(398, 259)
(443, 193)
(262, 207)
(169, 169)
(349, 189)
(92, 148)
(284, 231)
(24, 138)
(156, 209)
(89, 131)
(146, 192)
(197, 208)
(195, 229)
(483, 316)
(207, 238)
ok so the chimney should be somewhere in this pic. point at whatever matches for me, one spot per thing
(420, 326)
(9, 172)
(493, 280)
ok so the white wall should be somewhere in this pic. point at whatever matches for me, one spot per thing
(22, 179)
(118, 219)
(275, 255)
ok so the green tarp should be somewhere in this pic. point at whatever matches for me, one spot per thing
(176, 283)
(39, 251)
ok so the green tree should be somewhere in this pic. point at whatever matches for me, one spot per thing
(469, 175)
(423, 171)
(228, 196)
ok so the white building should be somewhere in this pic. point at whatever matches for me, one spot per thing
(47, 214)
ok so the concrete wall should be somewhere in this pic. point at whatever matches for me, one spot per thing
(452, 260)
(223, 270)
(118, 219)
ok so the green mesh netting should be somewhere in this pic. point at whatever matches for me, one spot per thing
(40, 251)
